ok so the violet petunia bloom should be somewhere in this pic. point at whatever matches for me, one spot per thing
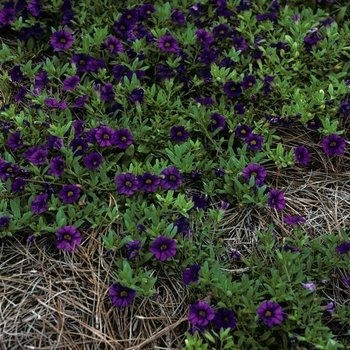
(146, 10)
(201, 314)
(137, 96)
(217, 121)
(104, 136)
(254, 142)
(346, 281)
(271, 313)
(20, 95)
(57, 165)
(114, 45)
(329, 309)
(248, 82)
(232, 89)
(333, 144)
(35, 7)
(18, 185)
(70, 83)
(344, 108)
(199, 201)
(276, 200)
(179, 133)
(236, 255)
(172, 178)
(133, 249)
(61, 40)
(122, 138)
(93, 160)
(80, 101)
(15, 141)
(178, 17)
(39, 157)
(168, 43)
(79, 146)
(82, 61)
(16, 74)
(290, 220)
(53, 103)
(221, 31)
(5, 221)
(191, 274)
(309, 285)
(239, 109)
(239, 43)
(107, 93)
(70, 193)
(243, 131)
(41, 80)
(256, 170)
(148, 182)
(225, 318)
(121, 296)
(40, 203)
(68, 238)
(163, 248)
(301, 155)
(203, 37)
(126, 183)
(343, 248)
(7, 16)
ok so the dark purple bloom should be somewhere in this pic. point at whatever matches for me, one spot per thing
(122, 138)
(39, 157)
(5, 221)
(243, 131)
(163, 248)
(146, 10)
(248, 81)
(70, 83)
(68, 238)
(220, 31)
(276, 200)
(168, 43)
(79, 146)
(80, 101)
(148, 182)
(236, 255)
(31, 239)
(346, 281)
(82, 62)
(343, 248)
(217, 121)
(129, 16)
(61, 40)
(271, 313)
(15, 141)
(93, 160)
(121, 296)
(201, 314)
(254, 142)
(207, 76)
(7, 169)
(205, 101)
(7, 16)
(244, 5)
(107, 93)
(329, 309)
(196, 174)
(301, 155)
(177, 17)
(16, 74)
(126, 183)
(18, 185)
(20, 95)
(133, 248)
(191, 274)
(333, 144)
(208, 57)
(203, 37)
(274, 6)
(344, 108)
(239, 43)
(225, 318)
(199, 201)
(179, 133)
(228, 63)
(70, 193)
(182, 224)
(220, 172)
(137, 96)
(239, 109)
(41, 80)
(114, 45)
(259, 173)
(104, 136)
(296, 17)
(313, 124)
(40, 203)
(141, 227)
(171, 178)
(290, 220)
(232, 89)
(53, 103)
(35, 7)
(57, 166)
(54, 142)
(309, 285)
(78, 128)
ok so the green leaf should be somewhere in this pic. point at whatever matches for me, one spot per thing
(15, 208)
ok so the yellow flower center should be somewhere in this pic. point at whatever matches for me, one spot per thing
(167, 44)
(163, 247)
(267, 313)
(70, 193)
(124, 139)
(124, 293)
(63, 40)
(172, 177)
(250, 83)
(333, 144)
(202, 313)
(253, 173)
(9, 170)
(106, 137)
(128, 183)
(179, 133)
(67, 237)
(222, 32)
(82, 62)
(214, 121)
(148, 181)
(253, 142)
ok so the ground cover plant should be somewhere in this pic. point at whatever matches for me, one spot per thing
(175, 175)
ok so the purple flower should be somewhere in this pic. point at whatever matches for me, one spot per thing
(239, 109)
(301, 155)
(35, 7)
(68, 238)
(122, 138)
(16, 74)
(208, 57)
(333, 144)
(82, 62)
(313, 124)
(199, 201)
(61, 40)
(114, 45)
(346, 281)
(276, 200)
(126, 183)
(217, 121)
(232, 89)
(220, 31)
(168, 43)
(271, 313)
(182, 224)
(70, 193)
(225, 318)
(7, 16)
(41, 80)
(329, 309)
(5, 221)
(70, 83)
(146, 10)
(296, 17)
(239, 43)
(243, 131)
(191, 274)
(201, 314)
(177, 17)
(290, 220)
(148, 182)
(78, 127)
(53, 103)
(18, 185)
(137, 96)
(203, 37)
(31, 239)
(133, 248)
(93, 160)
(205, 101)
(121, 296)
(248, 81)
(20, 95)
(39, 157)
(171, 178)
(80, 101)
(141, 227)
(179, 133)
(40, 203)
(129, 16)
(104, 136)
(163, 248)
(254, 142)
(343, 248)
(57, 166)
(79, 146)
(220, 172)
(309, 285)
(15, 141)
(259, 173)
(7, 169)
(236, 255)
(107, 93)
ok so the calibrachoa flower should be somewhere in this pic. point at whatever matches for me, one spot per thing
(18, 185)
(276, 200)
(333, 144)
(126, 183)
(5, 221)
(248, 81)
(122, 138)
(79, 146)
(70, 83)
(271, 313)
(329, 309)
(301, 155)
(309, 285)
(346, 281)
(254, 142)
(243, 131)
(236, 255)
(290, 220)
(16, 74)
(107, 93)
(343, 248)
(57, 166)
(70, 193)
(179, 133)
(137, 96)
(53, 103)
(168, 43)
(38, 157)
(259, 173)
(114, 45)
(68, 238)
(232, 89)
(163, 248)
(15, 141)
(104, 136)
(93, 160)
(217, 121)
(40, 203)
(201, 313)
(133, 248)
(199, 201)
(121, 296)
(225, 318)
(191, 274)
(148, 182)
(172, 178)
(61, 40)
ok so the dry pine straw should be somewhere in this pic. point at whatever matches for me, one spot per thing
(59, 300)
